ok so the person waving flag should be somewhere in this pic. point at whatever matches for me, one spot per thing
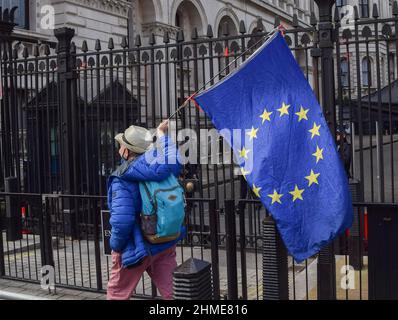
(295, 169)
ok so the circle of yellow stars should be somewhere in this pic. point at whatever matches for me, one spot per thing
(312, 178)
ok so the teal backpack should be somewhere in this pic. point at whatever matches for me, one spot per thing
(163, 209)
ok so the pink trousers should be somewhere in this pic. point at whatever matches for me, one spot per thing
(122, 282)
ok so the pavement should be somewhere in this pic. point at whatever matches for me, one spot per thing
(301, 287)
(357, 286)
(12, 290)
(75, 267)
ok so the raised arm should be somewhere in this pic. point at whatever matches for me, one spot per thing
(156, 165)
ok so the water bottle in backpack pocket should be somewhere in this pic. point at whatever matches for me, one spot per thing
(163, 209)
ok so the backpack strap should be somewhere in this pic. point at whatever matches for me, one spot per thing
(151, 199)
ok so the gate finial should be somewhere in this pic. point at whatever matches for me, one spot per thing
(336, 14)
(242, 27)
(313, 19)
(138, 41)
(12, 14)
(356, 13)
(375, 11)
(194, 34)
(84, 46)
(97, 45)
(124, 44)
(209, 33)
(166, 37)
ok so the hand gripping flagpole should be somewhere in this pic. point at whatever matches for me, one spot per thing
(280, 28)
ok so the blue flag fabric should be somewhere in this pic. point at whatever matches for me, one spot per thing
(296, 170)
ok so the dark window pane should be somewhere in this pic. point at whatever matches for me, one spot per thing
(20, 14)
(364, 8)
(341, 3)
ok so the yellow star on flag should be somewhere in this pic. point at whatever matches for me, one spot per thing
(312, 178)
(284, 109)
(318, 154)
(297, 193)
(244, 172)
(315, 131)
(252, 134)
(243, 153)
(276, 197)
(266, 116)
(256, 190)
(302, 114)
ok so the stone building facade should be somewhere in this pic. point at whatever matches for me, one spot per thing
(101, 19)
(368, 58)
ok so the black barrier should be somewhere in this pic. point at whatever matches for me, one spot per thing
(382, 250)
(275, 269)
(13, 210)
(192, 281)
(230, 229)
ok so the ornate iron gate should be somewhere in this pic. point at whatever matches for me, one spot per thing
(61, 110)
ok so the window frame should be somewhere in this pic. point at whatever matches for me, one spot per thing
(367, 72)
(341, 3)
(344, 73)
(364, 8)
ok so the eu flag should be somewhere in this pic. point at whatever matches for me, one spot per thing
(296, 170)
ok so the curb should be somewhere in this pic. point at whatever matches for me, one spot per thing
(5, 295)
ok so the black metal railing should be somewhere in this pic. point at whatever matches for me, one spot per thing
(237, 270)
(44, 240)
(60, 111)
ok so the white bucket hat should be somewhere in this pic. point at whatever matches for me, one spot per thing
(136, 139)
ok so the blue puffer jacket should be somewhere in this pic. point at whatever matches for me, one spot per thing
(124, 201)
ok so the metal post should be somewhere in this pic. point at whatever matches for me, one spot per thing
(355, 240)
(13, 214)
(180, 43)
(214, 249)
(326, 36)
(2, 264)
(242, 237)
(66, 81)
(230, 245)
(46, 246)
(379, 161)
(97, 250)
(275, 267)
(7, 104)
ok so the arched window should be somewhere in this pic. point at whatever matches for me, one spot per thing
(143, 16)
(232, 30)
(366, 72)
(187, 18)
(344, 72)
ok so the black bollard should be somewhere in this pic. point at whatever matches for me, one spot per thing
(355, 242)
(13, 212)
(192, 280)
(275, 268)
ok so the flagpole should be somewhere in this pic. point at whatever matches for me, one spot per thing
(185, 103)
